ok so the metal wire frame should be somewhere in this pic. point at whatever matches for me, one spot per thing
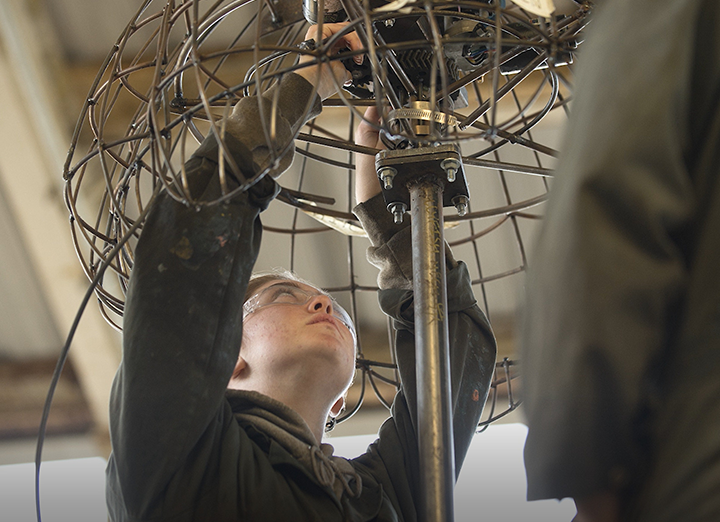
(182, 81)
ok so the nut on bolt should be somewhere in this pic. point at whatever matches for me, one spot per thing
(397, 209)
(450, 166)
(461, 205)
(386, 176)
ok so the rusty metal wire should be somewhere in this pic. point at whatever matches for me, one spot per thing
(180, 66)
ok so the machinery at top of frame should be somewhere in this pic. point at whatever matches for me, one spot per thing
(423, 58)
(429, 65)
(442, 73)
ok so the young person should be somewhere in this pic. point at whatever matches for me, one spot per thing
(218, 407)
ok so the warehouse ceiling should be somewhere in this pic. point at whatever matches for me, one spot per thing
(52, 50)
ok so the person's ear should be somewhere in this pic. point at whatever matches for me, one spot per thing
(240, 366)
(337, 407)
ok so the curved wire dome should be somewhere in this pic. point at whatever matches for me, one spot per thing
(482, 74)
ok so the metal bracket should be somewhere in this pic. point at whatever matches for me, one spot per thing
(397, 169)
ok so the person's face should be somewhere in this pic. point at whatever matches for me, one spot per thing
(291, 326)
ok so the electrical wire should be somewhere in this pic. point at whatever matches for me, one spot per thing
(62, 359)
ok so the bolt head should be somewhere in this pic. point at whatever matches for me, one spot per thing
(398, 210)
(461, 205)
(451, 167)
(386, 176)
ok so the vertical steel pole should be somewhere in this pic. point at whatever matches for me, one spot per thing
(435, 437)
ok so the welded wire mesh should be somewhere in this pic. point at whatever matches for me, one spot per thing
(488, 76)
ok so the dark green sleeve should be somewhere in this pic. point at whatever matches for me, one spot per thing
(181, 333)
(183, 324)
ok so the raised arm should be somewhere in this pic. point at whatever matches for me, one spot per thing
(472, 345)
(183, 318)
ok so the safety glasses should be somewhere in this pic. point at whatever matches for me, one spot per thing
(289, 293)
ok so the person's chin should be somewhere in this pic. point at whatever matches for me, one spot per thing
(330, 346)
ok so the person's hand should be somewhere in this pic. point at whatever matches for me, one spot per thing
(367, 183)
(599, 507)
(321, 76)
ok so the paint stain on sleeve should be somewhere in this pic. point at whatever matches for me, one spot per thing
(183, 249)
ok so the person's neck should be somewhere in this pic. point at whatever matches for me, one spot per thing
(312, 413)
(311, 404)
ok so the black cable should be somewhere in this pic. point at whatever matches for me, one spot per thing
(71, 334)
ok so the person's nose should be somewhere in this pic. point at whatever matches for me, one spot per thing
(320, 303)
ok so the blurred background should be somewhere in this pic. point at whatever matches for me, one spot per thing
(50, 52)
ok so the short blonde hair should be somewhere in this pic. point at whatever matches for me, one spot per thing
(258, 279)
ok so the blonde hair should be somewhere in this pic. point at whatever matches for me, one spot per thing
(258, 279)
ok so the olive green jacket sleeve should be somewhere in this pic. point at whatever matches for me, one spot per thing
(183, 322)
(394, 456)
(623, 287)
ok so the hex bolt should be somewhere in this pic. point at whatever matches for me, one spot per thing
(386, 176)
(389, 22)
(398, 209)
(461, 205)
(450, 166)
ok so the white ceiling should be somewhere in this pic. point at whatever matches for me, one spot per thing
(87, 29)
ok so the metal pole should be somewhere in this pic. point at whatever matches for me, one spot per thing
(435, 437)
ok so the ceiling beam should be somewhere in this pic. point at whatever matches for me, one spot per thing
(33, 144)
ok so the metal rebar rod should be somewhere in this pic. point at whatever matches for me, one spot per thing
(435, 438)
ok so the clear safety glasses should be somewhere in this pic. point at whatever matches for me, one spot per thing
(288, 293)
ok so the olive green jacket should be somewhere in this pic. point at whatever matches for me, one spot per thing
(186, 449)
(621, 338)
